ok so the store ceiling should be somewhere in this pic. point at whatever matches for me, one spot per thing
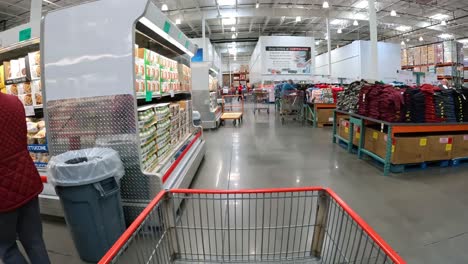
(414, 19)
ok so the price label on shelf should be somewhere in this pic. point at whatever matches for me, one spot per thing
(149, 96)
(29, 110)
(172, 93)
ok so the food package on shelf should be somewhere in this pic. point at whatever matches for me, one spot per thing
(139, 68)
(411, 56)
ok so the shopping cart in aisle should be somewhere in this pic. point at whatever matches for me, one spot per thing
(261, 100)
(295, 225)
(292, 105)
(233, 108)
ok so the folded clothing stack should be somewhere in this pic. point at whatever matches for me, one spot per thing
(348, 99)
(460, 102)
(417, 106)
(364, 99)
(445, 107)
(430, 111)
(390, 104)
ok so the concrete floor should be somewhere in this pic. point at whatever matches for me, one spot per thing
(423, 214)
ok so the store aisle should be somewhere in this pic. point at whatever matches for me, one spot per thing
(422, 214)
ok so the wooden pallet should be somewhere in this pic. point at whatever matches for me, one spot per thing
(458, 161)
(321, 125)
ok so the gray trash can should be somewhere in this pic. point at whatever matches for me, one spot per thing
(87, 182)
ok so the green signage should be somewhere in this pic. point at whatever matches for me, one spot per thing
(149, 96)
(187, 44)
(167, 27)
(180, 35)
(25, 34)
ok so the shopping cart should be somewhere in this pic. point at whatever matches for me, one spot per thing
(261, 100)
(292, 105)
(295, 225)
(233, 108)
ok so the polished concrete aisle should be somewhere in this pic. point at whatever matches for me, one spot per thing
(423, 214)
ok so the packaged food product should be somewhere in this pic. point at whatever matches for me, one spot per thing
(32, 127)
(41, 124)
(41, 136)
(21, 67)
(26, 99)
(14, 69)
(38, 99)
(34, 58)
(31, 140)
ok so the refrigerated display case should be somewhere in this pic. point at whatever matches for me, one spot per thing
(205, 93)
(122, 88)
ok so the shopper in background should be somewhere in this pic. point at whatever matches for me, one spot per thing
(20, 185)
(239, 92)
(288, 86)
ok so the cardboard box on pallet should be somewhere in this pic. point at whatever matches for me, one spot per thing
(343, 130)
(405, 150)
(439, 148)
(325, 115)
(460, 146)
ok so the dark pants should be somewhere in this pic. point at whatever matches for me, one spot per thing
(24, 222)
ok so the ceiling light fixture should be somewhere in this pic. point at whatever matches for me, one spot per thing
(362, 4)
(339, 31)
(164, 7)
(393, 13)
(298, 19)
(421, 38)
(355, 23)
(226, 2)
(317, 42)
(439, 16)
(178, 21)
(445, 36)
(403, 28)
(325, 4)
(407, 40)
(229, 21)
(337, 22)
(233, 29)
(233, 36)
(402, 43)
(257, 5)
(443, 23)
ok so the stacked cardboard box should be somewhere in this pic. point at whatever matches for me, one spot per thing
(460, 146)
(424, 55)
(325, 116)
(344, 126)
(439, 148)
(430, 54)
(404, 57)
(439, 53)
(450, 51)
(405, 150)
(411, 56)
(417, 55)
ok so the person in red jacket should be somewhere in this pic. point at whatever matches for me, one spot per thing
(20, 185)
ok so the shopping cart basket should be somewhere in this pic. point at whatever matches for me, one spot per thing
(296, 225)
(292, 105)
(233, 108)
(261, 100)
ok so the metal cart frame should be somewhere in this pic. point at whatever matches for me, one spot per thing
(292, 105)
(261, 100)
(232, 112)
(292, 225)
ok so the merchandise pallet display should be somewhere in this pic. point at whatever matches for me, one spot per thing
(132, 96)
(320, 114)
(410, 144)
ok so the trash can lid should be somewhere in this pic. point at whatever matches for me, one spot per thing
(85, 166)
